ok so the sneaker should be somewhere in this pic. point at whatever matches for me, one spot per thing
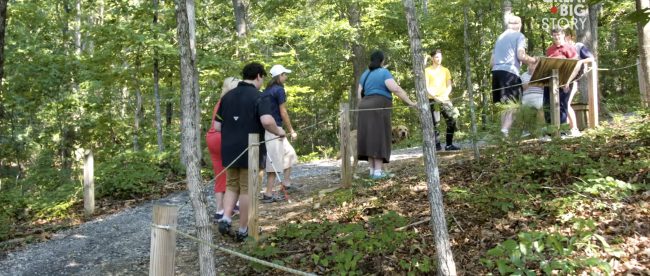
(241, 237)
(545, 138)
(291, 188)
(224, 228)
(438, 147)
(271, 199)
(217, 217)
(575, 132)
(451, 147)
(382, 175)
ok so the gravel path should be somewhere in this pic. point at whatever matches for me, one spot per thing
(119, 244)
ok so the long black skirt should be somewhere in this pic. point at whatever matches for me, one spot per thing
(374, 128)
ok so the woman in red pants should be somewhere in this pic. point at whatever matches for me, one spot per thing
(213, 139)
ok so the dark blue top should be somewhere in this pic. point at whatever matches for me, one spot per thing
(277, 96)
(375, 85)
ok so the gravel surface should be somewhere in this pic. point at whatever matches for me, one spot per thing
(119, 244)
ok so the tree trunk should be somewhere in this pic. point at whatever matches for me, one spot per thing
(506, 6)
(358, 59)
(190, 130)
(169, 107)
(156, 83)
(446, 265)
(643, 31)
(425, 7)
(241, 25)
(3, 26)
(470, 85)
(137, 116)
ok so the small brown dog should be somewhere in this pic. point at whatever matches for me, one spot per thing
(400, 132)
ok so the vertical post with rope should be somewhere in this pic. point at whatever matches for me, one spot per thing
(645, 95)
(592, 98)
(346, 154)
(253, 184)
(555, 102)
(89, 183)
(163, 242)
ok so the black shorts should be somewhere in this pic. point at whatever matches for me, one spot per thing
(506, 87)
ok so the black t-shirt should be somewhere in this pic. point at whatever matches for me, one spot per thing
(239, 115)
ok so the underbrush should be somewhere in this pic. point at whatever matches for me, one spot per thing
(564, 207)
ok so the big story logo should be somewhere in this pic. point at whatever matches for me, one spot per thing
(566, 14)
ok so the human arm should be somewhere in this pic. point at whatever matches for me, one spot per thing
(359, 88)
(398, 91)
(521, 54)
(269, 124)
(287, 122)
(217, 125)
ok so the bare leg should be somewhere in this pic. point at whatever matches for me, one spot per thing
(506, 119)
(270, 181)
(378, 163)
(287, 177)
(243, 210)
(229, 203)
(570, 112)
(218, 197)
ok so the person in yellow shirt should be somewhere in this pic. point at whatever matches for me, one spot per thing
(438, 89)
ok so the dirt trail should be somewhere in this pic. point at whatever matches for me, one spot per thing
(119, 244)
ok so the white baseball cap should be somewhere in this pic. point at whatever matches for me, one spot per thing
(278, 70)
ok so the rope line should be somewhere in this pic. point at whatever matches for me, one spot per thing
(620, 68)
(232, 252)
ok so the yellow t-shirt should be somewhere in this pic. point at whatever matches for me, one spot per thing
(437, 82)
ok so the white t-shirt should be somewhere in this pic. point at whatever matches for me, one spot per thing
(534, 95)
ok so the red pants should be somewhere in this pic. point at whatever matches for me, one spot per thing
(213, 139)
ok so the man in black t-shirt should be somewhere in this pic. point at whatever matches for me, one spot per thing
(242, 111)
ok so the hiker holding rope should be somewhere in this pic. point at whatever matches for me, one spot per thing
(375, 90)
(438, 79)
(280, 155)
(508, 54)
(242, 111)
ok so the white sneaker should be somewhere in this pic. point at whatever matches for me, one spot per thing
(575, 132)
(545, 138)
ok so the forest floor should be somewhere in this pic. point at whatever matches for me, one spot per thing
(562, 207)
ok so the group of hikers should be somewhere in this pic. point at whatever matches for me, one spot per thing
(242, 109)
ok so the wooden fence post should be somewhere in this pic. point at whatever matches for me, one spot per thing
(253, 184)
(162, 260)
(89, 183)
(645, 95)
(592, 99)
(555, 102)
(346, 154)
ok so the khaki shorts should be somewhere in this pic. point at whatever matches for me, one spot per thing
(279, 153)
(237, 180)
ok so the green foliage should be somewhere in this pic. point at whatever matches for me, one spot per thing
(550, 253)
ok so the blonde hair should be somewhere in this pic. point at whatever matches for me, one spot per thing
(229, 84)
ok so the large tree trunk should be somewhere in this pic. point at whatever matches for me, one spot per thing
(358, 59)
(190, 130)
(470, 85)
(3, 26)
(445, 258)
(241, 25)
(643, 30)
(156, 84)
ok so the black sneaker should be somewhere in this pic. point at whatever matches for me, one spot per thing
(224, 228)
(438, 147)
(217, 217)
(290, 189)
(271, 199)
(451, 147)
(241, 237)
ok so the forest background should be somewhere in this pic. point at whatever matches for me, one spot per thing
(104, 76)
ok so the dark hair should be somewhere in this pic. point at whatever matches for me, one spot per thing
(436, 51)
(570, 32)
(376, 58)
(252, 70)
(557, 30)
(273, 81)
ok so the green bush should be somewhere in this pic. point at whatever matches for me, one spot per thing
(131, 175)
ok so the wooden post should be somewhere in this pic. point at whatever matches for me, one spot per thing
(253, 184)
(645, 95)
(163, 241)
(346, 154)
(89, 183)
(555, 102)
(592, 91)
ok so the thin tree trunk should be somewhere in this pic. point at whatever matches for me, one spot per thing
(241, 25)
(3, 26)
(137, 118)
(643, 31)
(190, 130)
(358, 59)
(506, 6)
(169, 107)
(470, 85)
(445, 258)
(156, 83)
(425, 7)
